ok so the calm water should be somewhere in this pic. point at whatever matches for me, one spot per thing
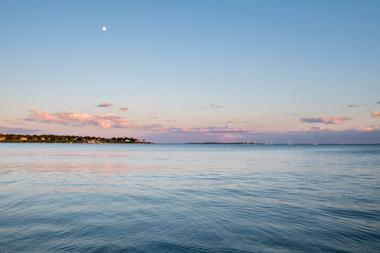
(189, 198)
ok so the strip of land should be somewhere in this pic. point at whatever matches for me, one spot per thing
(21, 138)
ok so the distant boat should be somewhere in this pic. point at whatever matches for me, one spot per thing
(315, 143)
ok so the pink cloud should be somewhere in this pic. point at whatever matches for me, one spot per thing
(75, 117)
(104, 104)
(44, 116)
(375, 114)
(84, 119)
(79, 119)
(124, 109)
(327, 120)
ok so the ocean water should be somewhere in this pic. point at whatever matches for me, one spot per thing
(189, 198)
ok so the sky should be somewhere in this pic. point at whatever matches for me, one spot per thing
(192, 71)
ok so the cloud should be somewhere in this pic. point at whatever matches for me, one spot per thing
(42, 116)
(212, 107)
(353, 105)
(375, 114)
(104, 104)
(232, 121)
(78, 119)
(151, 128)
(17, 130)
(368, 128)
(209, 130)
(327, 120)
(124, 109)
(378, 102)
(152, 117)
(317, 128)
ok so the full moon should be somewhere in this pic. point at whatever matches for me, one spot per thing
(104, 28)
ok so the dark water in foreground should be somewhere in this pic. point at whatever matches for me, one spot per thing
(189, 198)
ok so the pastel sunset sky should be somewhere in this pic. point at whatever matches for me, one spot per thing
(189, 71)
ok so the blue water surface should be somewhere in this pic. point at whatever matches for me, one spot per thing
(189, 198)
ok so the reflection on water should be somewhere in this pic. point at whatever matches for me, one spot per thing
(189, 198)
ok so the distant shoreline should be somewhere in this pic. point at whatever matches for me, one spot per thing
(73, 139)
(273, 144)
(68, 139)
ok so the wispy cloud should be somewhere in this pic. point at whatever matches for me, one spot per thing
(17, 130)
(124, 109)
(232, 121)
(375, 114)
(353, 105)
(378, 102)
(104, 104)
(152, 117)
(212, 107)
(78, 119)
(318, 128)
(209, 130)
(327, 120)
(368, 128)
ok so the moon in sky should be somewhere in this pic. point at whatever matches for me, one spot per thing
(104, 28)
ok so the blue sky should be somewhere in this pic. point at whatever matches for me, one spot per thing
(192, 70)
